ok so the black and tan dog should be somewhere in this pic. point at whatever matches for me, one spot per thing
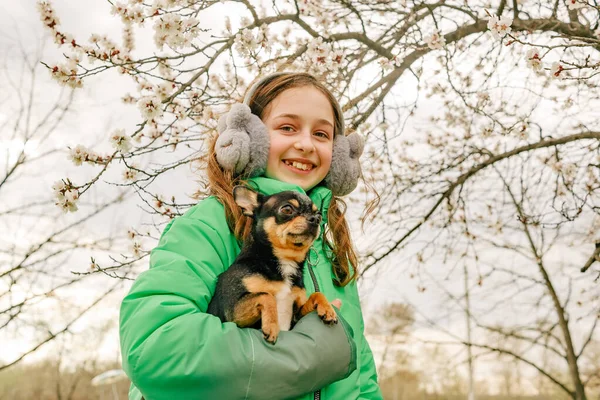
(263, 288)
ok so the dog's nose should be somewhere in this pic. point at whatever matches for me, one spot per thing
(314, 219)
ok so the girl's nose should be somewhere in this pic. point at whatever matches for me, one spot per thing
(304, 142)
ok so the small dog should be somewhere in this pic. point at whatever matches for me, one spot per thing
(263, 288)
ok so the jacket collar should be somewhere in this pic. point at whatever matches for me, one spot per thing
(320, 195)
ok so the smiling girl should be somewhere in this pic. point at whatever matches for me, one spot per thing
(173, 349)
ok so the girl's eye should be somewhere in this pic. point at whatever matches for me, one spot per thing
(322, 134)
(287, 210)
(287, 128)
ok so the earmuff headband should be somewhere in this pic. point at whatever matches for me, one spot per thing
(266, 79)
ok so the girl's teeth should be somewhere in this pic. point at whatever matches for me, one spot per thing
(295, 164)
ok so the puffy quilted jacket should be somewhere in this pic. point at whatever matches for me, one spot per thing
(173, 350)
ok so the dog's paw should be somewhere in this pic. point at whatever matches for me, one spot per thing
(327, 313)
(270, 332)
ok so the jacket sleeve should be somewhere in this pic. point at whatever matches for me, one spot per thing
(172, 349)
(369, 388)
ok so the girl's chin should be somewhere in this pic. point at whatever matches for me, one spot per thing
(305, 181)
(302, 181)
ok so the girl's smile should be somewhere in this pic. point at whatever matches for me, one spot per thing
(301, 128)
(299, 165)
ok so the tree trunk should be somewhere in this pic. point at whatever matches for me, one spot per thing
(579, 393)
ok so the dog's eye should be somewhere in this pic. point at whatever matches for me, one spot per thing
(287, 210)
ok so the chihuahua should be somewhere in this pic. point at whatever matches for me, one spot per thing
(263, 288)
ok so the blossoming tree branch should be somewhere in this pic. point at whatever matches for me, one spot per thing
(481, 123)
(195, 70)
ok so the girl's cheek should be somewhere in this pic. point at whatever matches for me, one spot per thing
(327, 149)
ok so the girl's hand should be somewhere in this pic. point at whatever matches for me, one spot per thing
(337, 303)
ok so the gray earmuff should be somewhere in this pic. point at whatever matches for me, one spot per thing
(243, 146)
(345, 164)
(243, 142)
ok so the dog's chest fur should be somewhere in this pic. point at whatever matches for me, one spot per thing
(285, 296)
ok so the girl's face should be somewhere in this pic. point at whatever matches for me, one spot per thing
(300, 123)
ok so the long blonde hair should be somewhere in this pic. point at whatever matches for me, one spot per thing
(220, 183)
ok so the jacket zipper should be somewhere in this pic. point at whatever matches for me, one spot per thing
(314, 279)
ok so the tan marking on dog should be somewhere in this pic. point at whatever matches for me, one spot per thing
(319, 303)
(295, 203)
(299, 297)
(258, 284)
(283, 294)
(298, 225)
(254, 307)
(271, 202)
(297, 255)
(282, 248)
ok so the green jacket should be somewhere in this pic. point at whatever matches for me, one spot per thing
(173, 350)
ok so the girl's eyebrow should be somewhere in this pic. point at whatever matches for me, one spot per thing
(297, 117)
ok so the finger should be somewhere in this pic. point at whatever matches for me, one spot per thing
(337, 303)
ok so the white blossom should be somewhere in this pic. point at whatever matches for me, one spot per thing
(435, 41)
(121, 141)
(129, 15)
(322, 56)
(94, 158)
(78, 154)
(389, 64)
(63, 38)
(522, 132)
(174, 31)
(150, 107)
(66, 74)
(153, 132)
(575, 4)
(487, 131)
(557, 70)
(130, 174)
(94, 265)
(534, 60)
(59, 187)
(248, 41)
(47, 14)
(164, 89)
(499, 27)
(569, 102)
(66, 196)
(482, 98)
(315, 9)
(69, 202)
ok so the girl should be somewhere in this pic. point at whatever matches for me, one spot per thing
(172, 349)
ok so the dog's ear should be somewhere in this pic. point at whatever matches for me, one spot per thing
(247, 199)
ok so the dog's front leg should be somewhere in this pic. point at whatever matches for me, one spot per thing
(255, 306)
(317, 301)
(299, 301)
